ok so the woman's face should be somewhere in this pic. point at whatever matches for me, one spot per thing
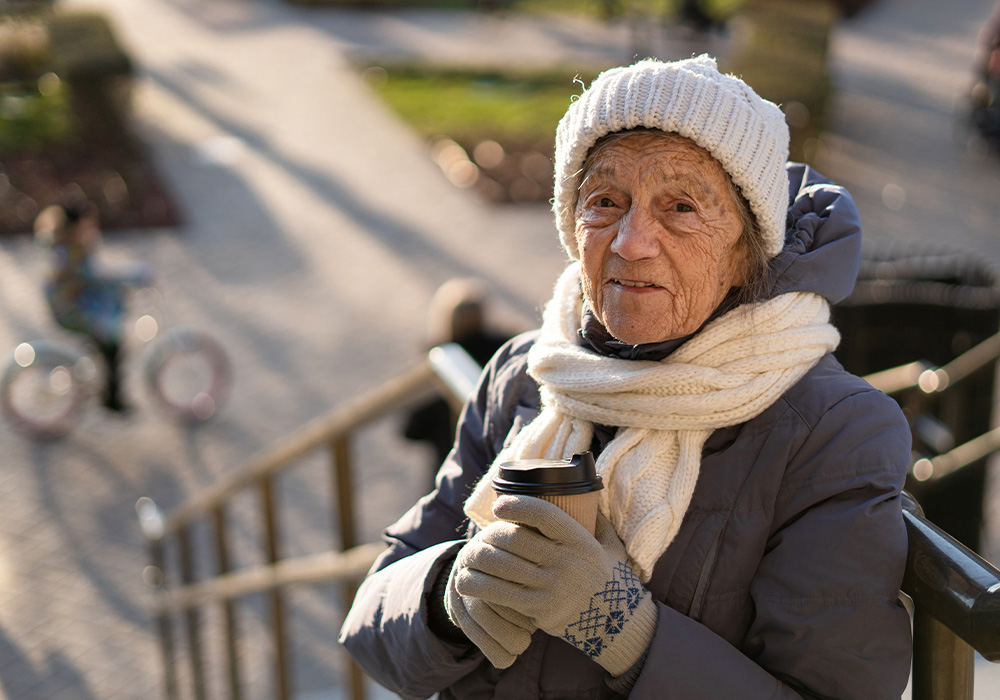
(658, 231)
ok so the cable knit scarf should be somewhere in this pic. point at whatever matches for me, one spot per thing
(730, 372)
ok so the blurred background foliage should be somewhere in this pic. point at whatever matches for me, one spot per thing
(489, 129)
(65, 93)
(34, 109)
(782, 50)
(65, 90)
(589, 8)
(468, 103)
(61, 75)
(492, 129)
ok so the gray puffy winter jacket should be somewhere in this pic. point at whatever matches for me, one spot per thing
(783, 581)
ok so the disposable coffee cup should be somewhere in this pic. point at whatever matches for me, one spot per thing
(572, 484)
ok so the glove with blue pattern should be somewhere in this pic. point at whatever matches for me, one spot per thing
(544, 565)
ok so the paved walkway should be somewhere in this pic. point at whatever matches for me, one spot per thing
(315, 232)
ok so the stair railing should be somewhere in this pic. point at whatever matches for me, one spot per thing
(448, 369)
(932, 380)
(956, 609)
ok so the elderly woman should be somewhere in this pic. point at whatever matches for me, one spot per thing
(750, 542)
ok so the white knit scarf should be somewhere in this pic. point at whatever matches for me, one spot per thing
(733, 369)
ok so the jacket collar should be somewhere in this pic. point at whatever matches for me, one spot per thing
(594, 335)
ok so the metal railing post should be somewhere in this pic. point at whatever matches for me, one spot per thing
(448, 368)
(340, 449)
(956, 602)
(943, 664)
(228, 608)
(151, 524)
(268, 500)
(192, 616)
(163, 624)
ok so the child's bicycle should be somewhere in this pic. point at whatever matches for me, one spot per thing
(45, 384)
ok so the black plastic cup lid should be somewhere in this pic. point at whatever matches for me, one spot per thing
(549, 477)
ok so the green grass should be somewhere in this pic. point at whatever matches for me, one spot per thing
(467, 105)
(596, 8)
(585, 8)
(34, 118)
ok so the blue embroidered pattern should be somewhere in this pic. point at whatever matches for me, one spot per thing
(607, 613)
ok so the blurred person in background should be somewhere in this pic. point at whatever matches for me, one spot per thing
(750, 541)
(985, 94)
(457, 314)
(693, 14)
(989, 42)
(84, 294)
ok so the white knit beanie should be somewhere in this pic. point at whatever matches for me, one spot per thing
(744, 132)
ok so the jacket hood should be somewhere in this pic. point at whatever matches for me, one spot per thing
(822, 250)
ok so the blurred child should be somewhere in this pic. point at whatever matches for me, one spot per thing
(84, 295)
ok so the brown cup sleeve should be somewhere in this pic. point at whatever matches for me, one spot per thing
(581, 507)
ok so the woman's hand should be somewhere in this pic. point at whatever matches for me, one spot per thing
(501, 634)
(545, 566)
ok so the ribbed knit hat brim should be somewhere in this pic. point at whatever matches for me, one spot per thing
(744, 132)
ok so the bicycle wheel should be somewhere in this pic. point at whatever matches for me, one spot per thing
(187, 373)
(45, 386)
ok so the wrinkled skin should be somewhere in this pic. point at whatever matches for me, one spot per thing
(656, 210)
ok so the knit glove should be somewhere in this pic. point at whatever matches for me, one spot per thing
(500, 633)
(546, 566)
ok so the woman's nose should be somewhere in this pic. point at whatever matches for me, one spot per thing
(637, 236)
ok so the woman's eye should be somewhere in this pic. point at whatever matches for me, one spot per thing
(605, 202)
(683, 207)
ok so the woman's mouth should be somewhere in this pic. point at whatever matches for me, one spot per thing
(636, 284)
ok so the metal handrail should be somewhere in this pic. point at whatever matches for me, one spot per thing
(897, 379)
(314, 434)
(928, 468)
(323, 567)
(956, 600)
(447, 368)
(930, 379)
